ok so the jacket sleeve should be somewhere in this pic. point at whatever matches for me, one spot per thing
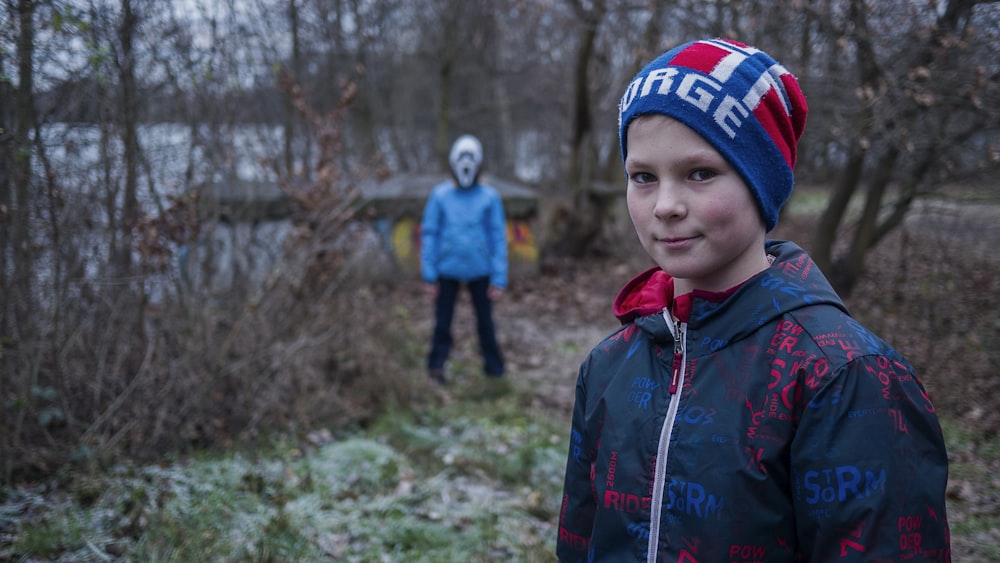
(576, 517)
(498, 243)
(870, 468)
(430, 235)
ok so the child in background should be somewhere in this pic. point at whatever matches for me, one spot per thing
(464, 243)
(739, 413)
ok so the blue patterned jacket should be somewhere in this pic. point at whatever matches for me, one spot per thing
(769, 427)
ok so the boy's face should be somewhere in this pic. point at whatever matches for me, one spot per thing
(694, 214)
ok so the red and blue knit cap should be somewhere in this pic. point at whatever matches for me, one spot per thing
(739, 99)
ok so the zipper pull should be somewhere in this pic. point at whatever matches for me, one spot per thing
(678, 357)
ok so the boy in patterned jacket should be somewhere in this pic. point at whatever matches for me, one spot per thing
(739, 413)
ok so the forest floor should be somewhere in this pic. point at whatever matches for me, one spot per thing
(472, 471)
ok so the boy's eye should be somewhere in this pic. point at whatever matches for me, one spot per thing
(703, 175)
(643, 177)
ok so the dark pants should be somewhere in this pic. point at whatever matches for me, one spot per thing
(444, 311)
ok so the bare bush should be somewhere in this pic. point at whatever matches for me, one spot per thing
(121, 372)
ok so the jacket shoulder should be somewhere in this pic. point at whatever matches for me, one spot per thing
(441, 188)
(615, 349)
(490, 191)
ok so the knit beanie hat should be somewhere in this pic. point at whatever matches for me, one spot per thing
(739, 99)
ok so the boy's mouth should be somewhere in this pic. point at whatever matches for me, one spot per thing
(675, 242)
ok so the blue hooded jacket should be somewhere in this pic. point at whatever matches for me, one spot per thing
(463, 234)
(769, 426)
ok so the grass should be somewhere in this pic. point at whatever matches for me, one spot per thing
(469, 480)
(973, 491)
(472, 480)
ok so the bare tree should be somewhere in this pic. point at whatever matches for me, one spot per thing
(7, 149)
(579, 225)
(129, 128)
(20, 207)
(296, 70)
(898, 96)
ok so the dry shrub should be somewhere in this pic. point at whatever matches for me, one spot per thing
(299, 355)
(117, 373)
(311, 347)
(314, 347)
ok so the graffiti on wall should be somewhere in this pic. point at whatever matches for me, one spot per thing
(522, 249)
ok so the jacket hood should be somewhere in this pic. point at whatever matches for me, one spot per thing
(644, 295)
(793, 281)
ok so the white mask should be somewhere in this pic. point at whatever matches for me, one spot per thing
(466, 160)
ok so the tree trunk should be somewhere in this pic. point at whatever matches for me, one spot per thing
(7, 142)
(850, 176)
(20, 323)
(581, 122)
(836, 207)
(20, 208)
(290, 113)
(130, 137)
(647, 48)
(579, 226)
(847, 271)
(445, 71)
(506, 132)
(364, 108)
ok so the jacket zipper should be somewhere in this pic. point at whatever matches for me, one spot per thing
(678, 356)
(679, 331)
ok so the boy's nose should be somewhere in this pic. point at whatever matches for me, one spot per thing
(669, 203)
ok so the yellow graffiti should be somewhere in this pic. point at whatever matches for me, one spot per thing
(406, 245)
(406, 238)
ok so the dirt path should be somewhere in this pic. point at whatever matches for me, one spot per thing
(546, 326)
